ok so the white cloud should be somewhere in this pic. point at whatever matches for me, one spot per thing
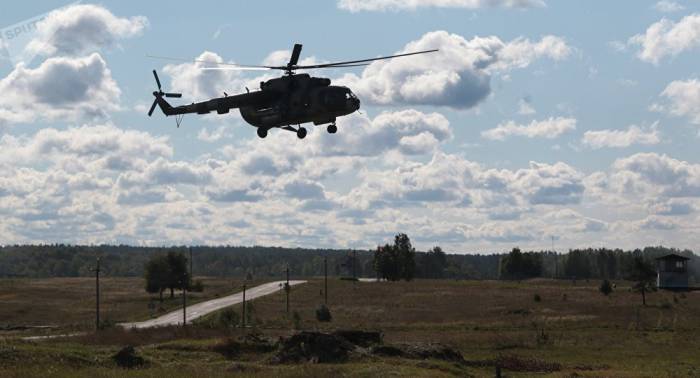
(525, 107)
(667, 38)
(550, 128)
(81, 29)
(657, 175)
(60, 88)
(667, 6)
(197, 84)
(621, 138)
(457, 76)
(216, 135)
(682, 100)
(393, 5)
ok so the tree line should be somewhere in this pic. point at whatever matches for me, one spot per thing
(62, 260)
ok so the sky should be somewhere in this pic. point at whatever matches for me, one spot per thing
(538, 123)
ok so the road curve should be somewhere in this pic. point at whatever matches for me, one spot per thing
(203, 308)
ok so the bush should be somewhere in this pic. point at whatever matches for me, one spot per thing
(606, 288)
(537, 298)
(197, 286)
(296, 318)
(229, 318)
(323, 313)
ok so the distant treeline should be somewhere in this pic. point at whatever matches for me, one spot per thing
(59, 260)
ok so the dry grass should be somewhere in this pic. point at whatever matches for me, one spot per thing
(69, 303)
(573, 328)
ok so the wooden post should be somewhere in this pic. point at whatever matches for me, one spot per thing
(244, 310)
(325, 280)
(184, 300)
(97, 295)
(288, 289)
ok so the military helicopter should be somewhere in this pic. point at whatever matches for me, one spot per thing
(292, 99)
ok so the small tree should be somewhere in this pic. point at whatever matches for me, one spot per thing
(398, 261)
(156, 273)
(644, 276)
(166, 272)
(606, 288)
(323, 313)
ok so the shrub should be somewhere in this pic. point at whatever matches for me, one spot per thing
(296, 318)
(229, 318)
(197, 286)
(606, 288)
(323, 313)
(537, 298)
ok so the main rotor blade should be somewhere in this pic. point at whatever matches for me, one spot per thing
(275, 68)
(295, 55)
(341, 64)
(153, 107)
(175, 95)
(237, 68)
(155, 74)
(243, 66)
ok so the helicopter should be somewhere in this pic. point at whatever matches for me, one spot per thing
(292, 99)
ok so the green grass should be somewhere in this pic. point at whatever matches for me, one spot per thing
(576, 327)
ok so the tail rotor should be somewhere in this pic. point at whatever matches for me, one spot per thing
(159, 94)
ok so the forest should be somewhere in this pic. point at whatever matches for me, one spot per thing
(60, 260)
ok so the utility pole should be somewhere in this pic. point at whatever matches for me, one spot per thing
(354, 263)
(191, 274)
(244, 312)
(287, 289)
(184, 300)
(97, 295)
(325, 280)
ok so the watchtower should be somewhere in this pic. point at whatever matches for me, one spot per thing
(672, 272)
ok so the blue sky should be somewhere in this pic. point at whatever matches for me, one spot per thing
(576, 120)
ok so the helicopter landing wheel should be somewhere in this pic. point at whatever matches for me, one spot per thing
(332, 128)
(301, 133)
(262, 132)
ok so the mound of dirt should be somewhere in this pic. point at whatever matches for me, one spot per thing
(314, 347)
(127, 358)
(364, 339)
(250, 343)
(532, 365)
(419, 351)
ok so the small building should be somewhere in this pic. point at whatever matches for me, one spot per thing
(672, 272)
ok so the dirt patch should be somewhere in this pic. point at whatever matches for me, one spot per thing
(314, 347)
(364, 339)
(250, 343)
(419, 351)
(128, 359)
(519, 364)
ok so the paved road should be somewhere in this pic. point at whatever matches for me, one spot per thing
(203, 308)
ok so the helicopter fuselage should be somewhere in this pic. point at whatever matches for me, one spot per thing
(299, 99)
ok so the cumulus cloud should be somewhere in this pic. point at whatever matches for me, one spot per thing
(682, 99)
(550, 128)
(198, 84)
(212, 136)
(525, 107)
(60, 88)
(81, 29)
(409, 131)
(457, 76)
(667, 38)
(667, 6)
(657, 175)
(394, 5)
(621, 138)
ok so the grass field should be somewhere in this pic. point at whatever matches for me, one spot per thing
(573, 327)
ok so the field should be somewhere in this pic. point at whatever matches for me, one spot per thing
(561, 328)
